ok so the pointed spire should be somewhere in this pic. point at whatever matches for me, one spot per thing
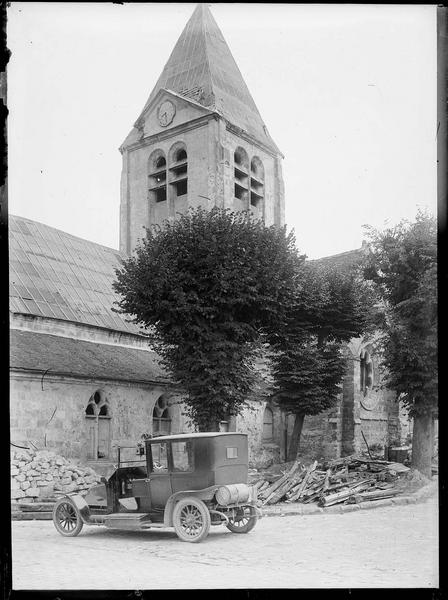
(201, 67)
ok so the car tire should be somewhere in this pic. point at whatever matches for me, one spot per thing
(246, 520)
(67, 518)
(191, 519)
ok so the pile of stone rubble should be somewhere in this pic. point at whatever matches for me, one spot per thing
(39, 474)
(351, 479)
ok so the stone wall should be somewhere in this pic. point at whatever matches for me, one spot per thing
(37, 475)
(51, 412)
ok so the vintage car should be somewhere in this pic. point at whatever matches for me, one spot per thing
(185, 481)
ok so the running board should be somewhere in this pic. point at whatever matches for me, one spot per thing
(133, 521)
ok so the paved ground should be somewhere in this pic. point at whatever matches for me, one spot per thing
(393, 546)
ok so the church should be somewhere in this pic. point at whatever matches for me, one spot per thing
(83, 378)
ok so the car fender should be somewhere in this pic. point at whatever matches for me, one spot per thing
(81, 505)
(204, 494)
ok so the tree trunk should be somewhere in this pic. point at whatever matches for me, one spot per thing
(423, 443)
(295, 438)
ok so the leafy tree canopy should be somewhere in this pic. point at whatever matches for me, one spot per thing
(205, 287)
(403, 265)
(331, 307)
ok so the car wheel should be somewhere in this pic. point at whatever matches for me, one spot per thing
(66, 518)
(191, 520)
(244, 520)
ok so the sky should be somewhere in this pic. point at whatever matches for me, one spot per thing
(348, 93)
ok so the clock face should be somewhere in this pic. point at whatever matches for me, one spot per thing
(166, 113)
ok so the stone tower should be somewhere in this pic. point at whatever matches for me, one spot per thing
(199, 140)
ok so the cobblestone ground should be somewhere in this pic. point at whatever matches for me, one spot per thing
(386, 547)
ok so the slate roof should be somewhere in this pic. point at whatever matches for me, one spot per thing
(35, 351)
(343, 261)
(57, 275)
(202, 68)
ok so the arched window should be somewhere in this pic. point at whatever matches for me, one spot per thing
(157, 176)
(241, 176)
(268, 424)
(97, 415)
(366, 372)
(178, 169)
(161, 419)
(256, 185)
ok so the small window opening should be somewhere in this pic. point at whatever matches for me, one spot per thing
(160, 162)
(255, 200)
(240, 192)
(181, 155)
(366, 372)
(98, 421)
(268, 424)
(255, 168)
(160, 195)
(181, 187)
(232, 452)
(159, 178)
(179, 171)
(161, 421)
(240, 159)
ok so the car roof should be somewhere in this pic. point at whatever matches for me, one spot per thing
(189, 436)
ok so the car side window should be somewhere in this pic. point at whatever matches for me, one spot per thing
(182, 456)
(159, 454)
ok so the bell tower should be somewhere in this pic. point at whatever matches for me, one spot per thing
(199, 140)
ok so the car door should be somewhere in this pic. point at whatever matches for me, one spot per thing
(159, 475)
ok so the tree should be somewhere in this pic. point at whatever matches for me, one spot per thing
(403, 265)
(331, 306)
(205, 286)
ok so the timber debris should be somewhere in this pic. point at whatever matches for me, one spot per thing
(350, 480)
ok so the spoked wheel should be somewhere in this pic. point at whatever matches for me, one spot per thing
(244, 520)
(66, 518)
(191, 520)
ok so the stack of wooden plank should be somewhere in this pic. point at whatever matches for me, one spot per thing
(350, 479)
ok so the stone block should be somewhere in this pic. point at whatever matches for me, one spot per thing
(15, 494)
(32, 493)
(70, 487)
(14, 470)
(21, 477)
(15, 485)
(25, 485)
